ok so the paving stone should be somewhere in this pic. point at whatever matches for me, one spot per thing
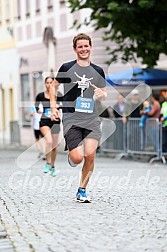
(39, 212)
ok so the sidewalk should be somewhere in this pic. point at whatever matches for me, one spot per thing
(39, 212)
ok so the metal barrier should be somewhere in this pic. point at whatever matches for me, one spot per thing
(143, 139)
(14, 132)
(130, 138)
(116, 142)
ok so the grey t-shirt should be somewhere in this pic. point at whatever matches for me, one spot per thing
(72, 76)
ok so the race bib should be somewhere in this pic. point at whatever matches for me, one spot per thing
(47, 112)
(85, 105)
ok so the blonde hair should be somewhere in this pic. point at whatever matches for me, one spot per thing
(79, 37)
(146, 104)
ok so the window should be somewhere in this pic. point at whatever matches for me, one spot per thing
(50, 4)
(63, 22)
(37, 6)
(25, 97)
(18, 9)
(62, 3)
(3, 109)
(38, 84)
(7, 10)
(11, 98)
(19, 34)
(0, 12)
(38, 29)
(27, 8)
(28, 32)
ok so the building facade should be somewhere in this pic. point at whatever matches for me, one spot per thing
(9, 76)
(37, 39)
(43, 31)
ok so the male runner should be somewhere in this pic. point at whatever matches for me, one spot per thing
(81, 124)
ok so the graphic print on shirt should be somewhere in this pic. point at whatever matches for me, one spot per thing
(83, 83)
(85, 105)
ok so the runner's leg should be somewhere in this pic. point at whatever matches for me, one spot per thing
(76, 155)
(46, 132)
(54, 148)
(90, 146)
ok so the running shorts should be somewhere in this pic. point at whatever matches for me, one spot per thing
(75, 135)
(53, 125)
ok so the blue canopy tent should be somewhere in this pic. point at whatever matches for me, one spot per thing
(152, 77)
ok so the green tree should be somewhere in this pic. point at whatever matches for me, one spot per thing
(138, 27)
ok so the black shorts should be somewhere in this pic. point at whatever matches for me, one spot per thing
(75, 135)
(53, 125)
(37, 134)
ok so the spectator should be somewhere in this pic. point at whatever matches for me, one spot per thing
(119, 107)
(164, 122)
(146, 108)
(132, 108)
(37, 133)
(102, 110)
(155, 107)
(154, 113)
(142, 124)
(118, 110)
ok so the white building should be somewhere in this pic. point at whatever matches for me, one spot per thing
(9, 76)
(44, 41)
(37, 38)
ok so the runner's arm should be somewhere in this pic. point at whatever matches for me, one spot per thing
(53, 98)
(37, 103)
(100, 93)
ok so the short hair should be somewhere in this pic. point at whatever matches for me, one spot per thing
(155, 94)
(79, 37)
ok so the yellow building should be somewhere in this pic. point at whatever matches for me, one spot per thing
(8, 71)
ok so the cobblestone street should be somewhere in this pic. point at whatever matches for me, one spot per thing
(39, 213)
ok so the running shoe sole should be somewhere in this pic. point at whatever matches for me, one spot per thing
(70, 162)
(83, 201)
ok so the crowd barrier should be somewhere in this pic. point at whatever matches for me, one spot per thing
(129, 138)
